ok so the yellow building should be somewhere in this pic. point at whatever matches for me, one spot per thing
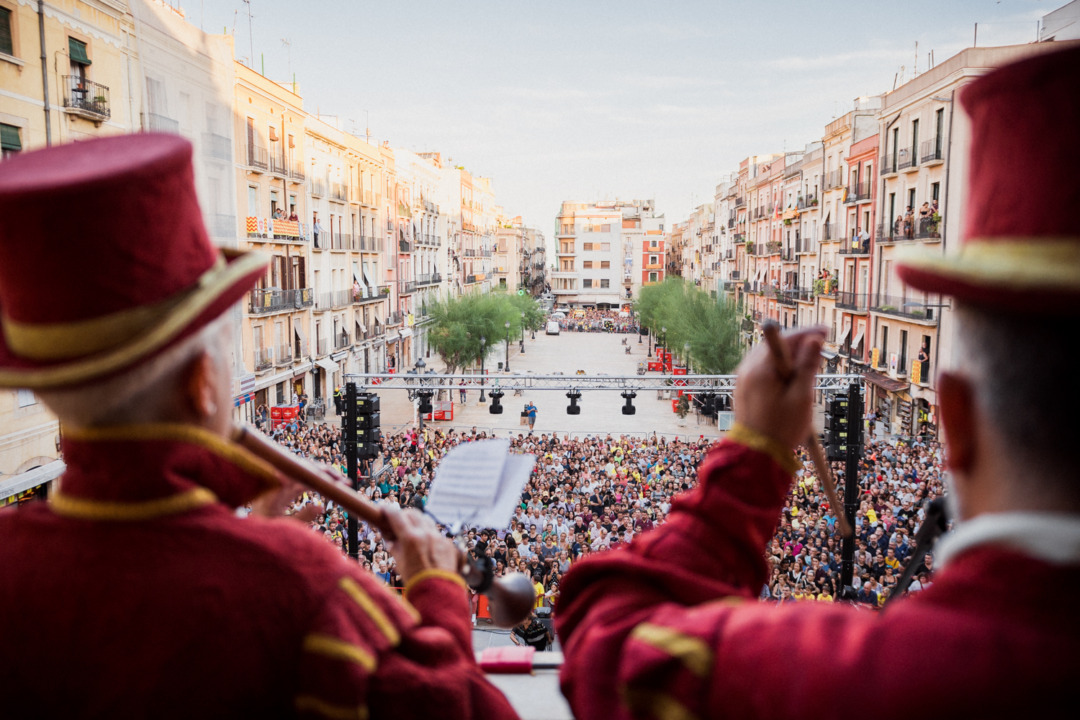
(83, 93)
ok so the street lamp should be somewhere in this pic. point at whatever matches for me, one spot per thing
(663, 341)
(483, 352)
(506, 365)
(686, 356)
(523, 333)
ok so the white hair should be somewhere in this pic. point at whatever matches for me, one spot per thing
(138, 393)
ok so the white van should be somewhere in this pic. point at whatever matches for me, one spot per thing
(552, 327)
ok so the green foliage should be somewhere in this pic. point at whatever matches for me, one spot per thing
(710, 326)
(458, 324)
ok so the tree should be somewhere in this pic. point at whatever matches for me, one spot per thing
(459, 323)
(686, 315)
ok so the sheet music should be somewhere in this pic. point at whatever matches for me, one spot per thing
(479, 483)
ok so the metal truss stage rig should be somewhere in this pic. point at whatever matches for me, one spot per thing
(721, 384)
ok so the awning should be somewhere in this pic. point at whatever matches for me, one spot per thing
(77, 51)
(885, 382)
(297, 371)
(9, 137)
(359, 276)
(367, 278)
(300, 336)
(858, 338)
(327, 364)
(31, 478)
(844, 336)
(266, 382)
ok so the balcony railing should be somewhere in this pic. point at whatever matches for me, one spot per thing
(370, 243)
(296, 171)
(830, 233)
(342, 341)
(903, 307)
(406, 287)
(257, 156)
(740, 202)
(887, 165)
(161, 123)
(86, 98)
(404, 246)
(807, 201)
(284, 355)
(217, 146)
(834, 179)
(930, 151)
(276, 230)
(339, 192)
(269, 300)
(852, 301)
(908, 160)
(277, 164)
(318, 187)
(859, 192)
(264, 359)
(428, 279)
(855, 246)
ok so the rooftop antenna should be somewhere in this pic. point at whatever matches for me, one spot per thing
(288, 54)
(915, 67)
(251, 40)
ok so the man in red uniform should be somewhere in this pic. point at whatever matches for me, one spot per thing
(670, 627)
(137, 591)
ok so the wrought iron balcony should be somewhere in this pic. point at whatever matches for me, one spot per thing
(217, 146)
(284, 355)
(271, 300)
(852, 301)
(930, 152)
(257, 156)
(264, 359)
(86, 99)
(903, 307)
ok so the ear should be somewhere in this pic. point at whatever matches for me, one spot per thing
(957, 398)
(201, 388)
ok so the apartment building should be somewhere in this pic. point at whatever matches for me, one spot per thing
(821, 235)
(597, 244)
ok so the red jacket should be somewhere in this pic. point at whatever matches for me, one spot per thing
(670, 627)
(137, 592)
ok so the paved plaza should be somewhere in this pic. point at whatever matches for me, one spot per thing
(568, 352)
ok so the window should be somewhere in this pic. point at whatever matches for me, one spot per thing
(26, 398)
(605, 264)
(605, 283)
(903, 352)
(586, 283)
(80, 60)
(586, 246)
(606, 227)
(652, 277)
(605, 246)
(914, 139)
(586, 264)
(7, 41)
(10, 143)
(935, 191)
(653, 259)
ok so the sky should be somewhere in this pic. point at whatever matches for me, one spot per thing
(598, 100)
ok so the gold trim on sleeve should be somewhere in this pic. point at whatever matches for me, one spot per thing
(693, 652)
(784, 457)
(332, 647)
(373, 611)
(434, 573)
(656, 704)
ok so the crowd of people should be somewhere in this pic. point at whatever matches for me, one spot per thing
(591, 494)
(610, 321)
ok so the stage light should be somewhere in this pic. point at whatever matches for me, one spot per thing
(573, 408)
(496, 395)
(628, 408)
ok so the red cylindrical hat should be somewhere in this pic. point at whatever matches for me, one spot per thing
(1020, 248)
(104, 259)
